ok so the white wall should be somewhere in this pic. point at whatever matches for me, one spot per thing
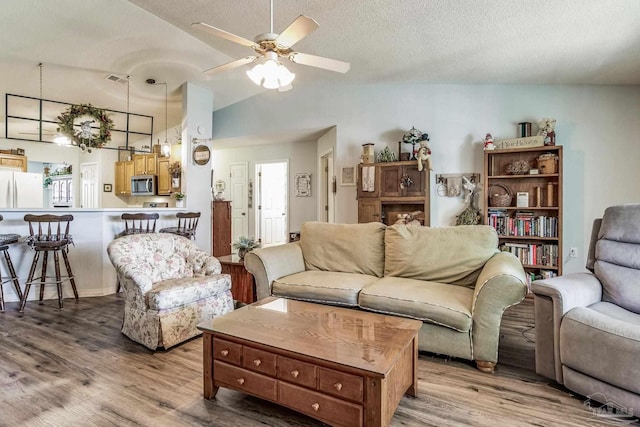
(597, 125)
(197, 105)
(302, 158)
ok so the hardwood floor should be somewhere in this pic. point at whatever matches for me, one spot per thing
(74, 367)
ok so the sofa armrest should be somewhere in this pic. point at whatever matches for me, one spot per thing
(274, 262)
(501, 284)
(553, 298)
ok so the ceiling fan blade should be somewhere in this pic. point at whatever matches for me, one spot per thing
(320, 62)
(224, 34)
(300, 28)
(230, 65)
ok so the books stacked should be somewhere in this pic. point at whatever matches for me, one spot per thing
(523, 224)
(533, 254)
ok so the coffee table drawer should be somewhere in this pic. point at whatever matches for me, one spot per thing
(229, 352)
(317, 405)
(245, 381)
(339, 384)
(297, 372)
(259, 360)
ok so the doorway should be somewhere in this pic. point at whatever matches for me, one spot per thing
(89, 185)
(238, 178)
(272, 223)
(327, 190)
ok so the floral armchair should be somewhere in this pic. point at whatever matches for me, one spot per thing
(169, 285)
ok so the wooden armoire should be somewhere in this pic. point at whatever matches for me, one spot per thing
(221, 227)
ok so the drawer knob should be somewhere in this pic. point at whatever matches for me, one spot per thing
(224, 352)
(240, 381)
(295, 374)
(257, 362)
(338, 386)
(315, 406)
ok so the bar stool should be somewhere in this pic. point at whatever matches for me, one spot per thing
(5, 241)
(187, 224)
(49, 233)
(139, 223)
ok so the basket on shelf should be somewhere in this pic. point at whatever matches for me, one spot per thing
(500, 200)
(547, 163)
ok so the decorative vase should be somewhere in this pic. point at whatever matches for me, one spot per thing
(175, 182)
(179, 203)
(242, 252)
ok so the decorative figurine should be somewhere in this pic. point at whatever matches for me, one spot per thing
(488, 142)
(547, 128)
(424, 155)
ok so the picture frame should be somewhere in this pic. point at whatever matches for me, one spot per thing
(303, 184)
(107, 188)
(348, 176)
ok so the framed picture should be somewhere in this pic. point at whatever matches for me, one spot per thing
(107, 188)
(303, 185)
(348, 175)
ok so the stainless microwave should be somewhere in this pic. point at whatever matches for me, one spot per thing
(143, 185)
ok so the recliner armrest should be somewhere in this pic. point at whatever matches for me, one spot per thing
(271, 263)
(553, 298)
(569, 291)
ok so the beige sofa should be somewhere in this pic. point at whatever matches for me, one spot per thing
(454, 279)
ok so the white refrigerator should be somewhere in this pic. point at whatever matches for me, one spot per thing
(20, 189)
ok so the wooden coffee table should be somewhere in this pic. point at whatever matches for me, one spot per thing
(342, 366)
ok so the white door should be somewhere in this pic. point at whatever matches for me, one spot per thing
(89, 185)
(273, 188)
(238, 177)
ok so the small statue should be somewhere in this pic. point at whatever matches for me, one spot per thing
(488, 142)
(409, 218)
(424, 155)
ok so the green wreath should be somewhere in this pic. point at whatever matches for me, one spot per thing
(67, 119)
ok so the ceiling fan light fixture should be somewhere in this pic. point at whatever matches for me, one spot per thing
(271, 74)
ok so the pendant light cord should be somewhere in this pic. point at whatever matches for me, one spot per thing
(271, 31)
(40, 66)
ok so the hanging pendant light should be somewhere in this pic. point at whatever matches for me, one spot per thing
(58, 137)
(166, 147)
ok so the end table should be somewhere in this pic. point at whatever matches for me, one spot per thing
(242, 282)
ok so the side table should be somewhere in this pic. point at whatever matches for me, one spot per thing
(242, 282)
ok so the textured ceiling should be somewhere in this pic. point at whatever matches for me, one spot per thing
(386, 41)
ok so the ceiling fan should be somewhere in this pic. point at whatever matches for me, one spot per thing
(270, 47)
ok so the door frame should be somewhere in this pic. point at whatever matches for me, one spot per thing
(327, 186)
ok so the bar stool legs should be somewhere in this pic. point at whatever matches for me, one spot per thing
(11, 278)
(59, 279)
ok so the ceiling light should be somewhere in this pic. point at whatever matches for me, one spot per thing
(270, 73)
(61, 139)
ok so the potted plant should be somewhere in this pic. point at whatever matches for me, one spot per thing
(245, 244)
(179, 199)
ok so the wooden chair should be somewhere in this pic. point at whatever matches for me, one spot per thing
(139, 223)
(187, 224)
(5, 241)
(49, 233)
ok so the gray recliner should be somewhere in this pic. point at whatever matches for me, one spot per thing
(588, 324)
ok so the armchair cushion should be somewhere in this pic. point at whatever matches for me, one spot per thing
(617, 262)
(177, 292)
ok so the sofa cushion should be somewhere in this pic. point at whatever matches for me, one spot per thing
(587, 337)
(431, 302)
(172, 293)
(323, 286)
(452, 255)
(617, 256)
(346, 248)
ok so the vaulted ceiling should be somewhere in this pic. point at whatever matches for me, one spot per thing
(386, 41)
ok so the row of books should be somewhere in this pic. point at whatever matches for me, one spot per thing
(532, 254)
(523, 224)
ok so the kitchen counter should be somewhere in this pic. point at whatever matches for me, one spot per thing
(92, 230)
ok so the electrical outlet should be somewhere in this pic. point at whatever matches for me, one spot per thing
(573, 252)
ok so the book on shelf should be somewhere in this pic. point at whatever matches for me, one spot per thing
(536, 255)
(523, 224)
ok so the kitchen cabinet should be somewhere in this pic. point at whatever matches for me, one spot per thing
(221, 227)
(145, 164)
(164, 177)
(13, 161)
(123, 173)
(529, 222)
(399, 188)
